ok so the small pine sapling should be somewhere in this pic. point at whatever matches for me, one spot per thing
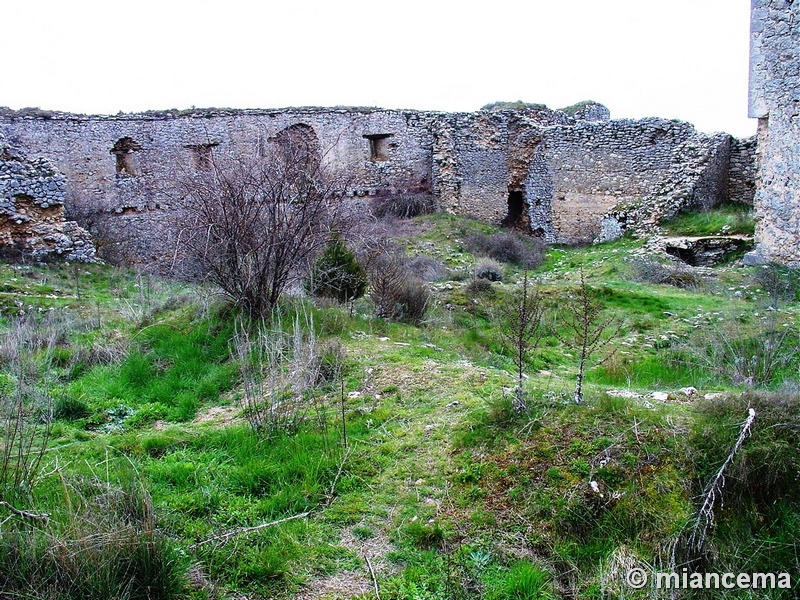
(337, 274)
(585, 330)
(521, 319)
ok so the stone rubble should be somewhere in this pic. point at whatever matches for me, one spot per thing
(32, 194)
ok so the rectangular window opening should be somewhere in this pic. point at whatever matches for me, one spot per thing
(202, 155)
(379, 146)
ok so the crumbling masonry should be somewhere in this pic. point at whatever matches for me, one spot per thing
(567, 176)
(775, 101)
(32, 194)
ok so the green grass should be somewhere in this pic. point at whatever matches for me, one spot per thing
(726, 219)
(454, 494)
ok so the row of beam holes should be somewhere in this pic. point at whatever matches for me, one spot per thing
(125, 147)
(124, 150)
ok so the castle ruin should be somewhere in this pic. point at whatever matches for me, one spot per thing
(567, 176)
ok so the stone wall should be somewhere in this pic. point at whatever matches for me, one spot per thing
(581, 180)
(32, 194)
(568, 176)
(121, 170)
(775, 102)
(742, 173)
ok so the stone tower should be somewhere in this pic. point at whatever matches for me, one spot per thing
(775, 102)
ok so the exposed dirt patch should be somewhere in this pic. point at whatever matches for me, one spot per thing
(221, 416)
(347, 584)
(341, 586)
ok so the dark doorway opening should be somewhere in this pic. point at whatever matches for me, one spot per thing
(516, 216)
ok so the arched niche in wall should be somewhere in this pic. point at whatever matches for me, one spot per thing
(299, 144)
(124, 150)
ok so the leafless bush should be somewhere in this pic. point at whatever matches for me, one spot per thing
(461, 274)
(280, 370)
(521, 320)
(330, 362)
(397, 293)
(479, 287)
(751, 354)
(25, 405)
(584, 329)
(427, 268)
(108, 349)
(253, 224)
(781, 284)
(647, 270)
(489, 269)
(508, 248)
(403, 206)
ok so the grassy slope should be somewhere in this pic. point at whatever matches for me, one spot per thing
(444, 488)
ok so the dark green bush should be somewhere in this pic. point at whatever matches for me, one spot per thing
(337, 274)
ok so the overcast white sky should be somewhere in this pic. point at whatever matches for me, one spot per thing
(683, 59)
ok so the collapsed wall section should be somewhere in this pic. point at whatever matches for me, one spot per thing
(572, 181)
(775, 102)
(32, 194)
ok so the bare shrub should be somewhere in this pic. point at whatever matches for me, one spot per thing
(397, 293)
(479, 287)
(508, 248)
(25, 405)
(489, 269)
(781, 284)
(585, 329)
(253, 224)
(427, 268)
(751, 354)
(460, 275)
(330, 362)
(403, 206)
(280, 370)
(647, 270)
(108, 349)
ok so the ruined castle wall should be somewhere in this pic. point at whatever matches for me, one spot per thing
(472, 164)
(572, 173)
(125, 191)
(775, 101)
(544, 172)
(742, 172)
(599, 166)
